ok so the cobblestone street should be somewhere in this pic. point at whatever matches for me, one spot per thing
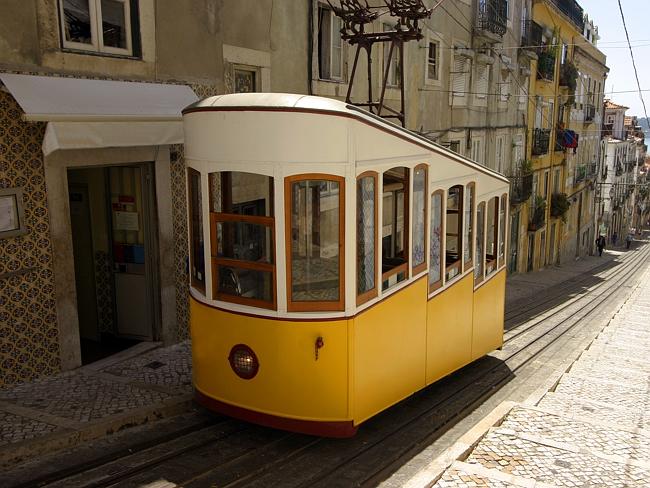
(591, 429)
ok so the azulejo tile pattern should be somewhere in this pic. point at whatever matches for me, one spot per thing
(28, 322)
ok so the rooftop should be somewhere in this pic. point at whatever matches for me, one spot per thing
(612, 105)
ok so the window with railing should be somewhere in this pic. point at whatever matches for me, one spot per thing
(541, 138)
(493, 16)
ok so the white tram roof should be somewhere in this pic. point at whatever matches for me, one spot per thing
(287, 102)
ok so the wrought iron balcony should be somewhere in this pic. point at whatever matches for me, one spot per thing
(531, 35)
(574, 11)
(541, 138)
(492, 16)
(590, 113)
(580, 175)
(537, 214)
(521, 187)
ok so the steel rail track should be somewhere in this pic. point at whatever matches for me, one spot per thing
(306, 445)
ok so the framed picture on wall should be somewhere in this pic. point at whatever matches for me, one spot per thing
(12, 218)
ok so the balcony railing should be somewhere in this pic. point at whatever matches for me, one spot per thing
(590, 112)
(573, 10)
(541, 138)
(493, 16)
(545, 65)
(538, 214)
(531, 35)
(521, 187)
(580, 175)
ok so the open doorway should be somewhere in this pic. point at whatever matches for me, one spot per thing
(113, 227)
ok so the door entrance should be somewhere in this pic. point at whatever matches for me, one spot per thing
(531, 251)
(113, 234)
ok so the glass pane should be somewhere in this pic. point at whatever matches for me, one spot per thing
(241, 193)
(366, 234)
(315, 240)
(114, 24)
(77, 21)
(467, 233)
(245, 241)
(246, 283)
(419, 192)
(337, 47)
(196, 229)
(480, 218)
(394, 219)
(244, 81)
(502, 229)
(490, 238)
(452, 251)
(436, 238)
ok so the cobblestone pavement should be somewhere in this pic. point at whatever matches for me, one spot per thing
(92, 401)
(591, 430)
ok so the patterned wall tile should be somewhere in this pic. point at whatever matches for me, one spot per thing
(28, 323)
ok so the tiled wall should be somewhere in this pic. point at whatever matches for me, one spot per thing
(28, 324)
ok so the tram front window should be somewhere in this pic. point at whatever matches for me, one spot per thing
(315, 240)
(394, 254)
(242, 240)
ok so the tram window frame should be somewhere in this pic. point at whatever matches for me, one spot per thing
(401, 268)
(419, 267)
(459, 211)
(468, 224)
(228, 215)
(196, 210)
(503, 216)
(491, 259)
(434, 285)
(363, 297)
(314, 305)
(479, 268)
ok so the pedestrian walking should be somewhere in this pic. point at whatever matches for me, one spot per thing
(628, 241)
(614, 238)
(600, 244)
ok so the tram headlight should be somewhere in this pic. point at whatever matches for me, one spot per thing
(243, 361)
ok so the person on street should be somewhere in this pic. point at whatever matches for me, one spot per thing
(628, 241)
(614, 238)
(600, 244)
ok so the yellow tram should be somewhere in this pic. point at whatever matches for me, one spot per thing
(338, 263)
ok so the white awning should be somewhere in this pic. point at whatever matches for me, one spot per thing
(85, 114)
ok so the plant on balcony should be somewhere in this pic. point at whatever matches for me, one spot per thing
(537, 214)
(569, 76)
(545, 65)
(559, 205)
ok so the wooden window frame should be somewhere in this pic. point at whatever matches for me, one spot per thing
(443, 224)
(370, 294)
(424, 265)
(315, 306)
(467, 265)
(496, 237)
(96, 31)
(479, 280)
(193, 282)
(461, 208)
(215, 218)
(502, 232)
(404, 267)
(216, 261)
(325, 7)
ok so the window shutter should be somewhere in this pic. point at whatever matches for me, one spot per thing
(459, 77)
(504, 89)
(481, 81)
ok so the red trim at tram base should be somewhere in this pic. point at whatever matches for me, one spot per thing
(311, 427)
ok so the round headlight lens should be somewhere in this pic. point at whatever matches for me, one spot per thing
(243, 361)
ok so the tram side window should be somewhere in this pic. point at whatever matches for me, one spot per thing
(468, 207)
(197, 259)
(315, 238)
(242, 238)
(366, 237)
(491, 236)
(419, 219)
(502, 229)
(435, 238)
(453, 236)
(394, 246)
(480, 241)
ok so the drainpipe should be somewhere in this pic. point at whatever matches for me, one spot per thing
(310, 45)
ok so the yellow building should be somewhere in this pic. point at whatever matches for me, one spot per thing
(555, 204)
